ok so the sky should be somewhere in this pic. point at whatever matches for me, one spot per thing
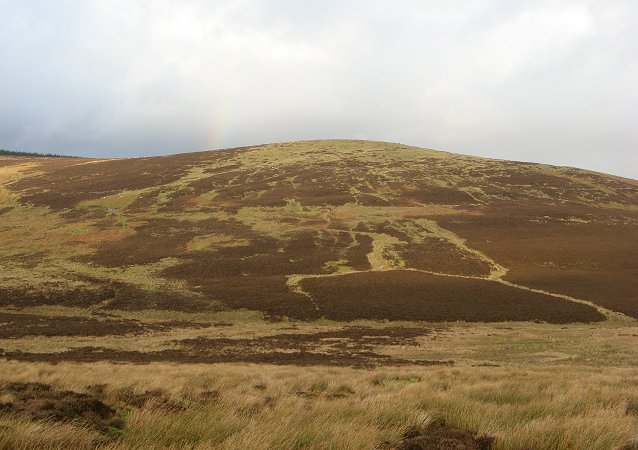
(544, 81)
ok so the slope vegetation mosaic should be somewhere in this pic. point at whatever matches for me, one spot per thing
(339, 230)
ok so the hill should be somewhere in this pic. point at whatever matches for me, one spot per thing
(324, 294)
(340, 230)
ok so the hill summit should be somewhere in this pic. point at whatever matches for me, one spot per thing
(339, 230)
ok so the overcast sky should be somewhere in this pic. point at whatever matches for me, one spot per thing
(546, 81)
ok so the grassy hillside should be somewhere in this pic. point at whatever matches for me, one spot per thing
(380, 288)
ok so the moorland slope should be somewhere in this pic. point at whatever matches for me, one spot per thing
(339, 230)
(323, 294)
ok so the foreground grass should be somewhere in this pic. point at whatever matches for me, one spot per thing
(259, 407)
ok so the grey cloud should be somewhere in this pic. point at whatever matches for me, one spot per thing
(526, 80)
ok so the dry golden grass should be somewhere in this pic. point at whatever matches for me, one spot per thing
(536, 386)
(267, 407)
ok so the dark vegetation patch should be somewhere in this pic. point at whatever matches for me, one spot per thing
(524, 182)
(162, 238)
(267, 187)
(114, 295)
(623, 187)
(357, 255)
(54, 294)
(16, 325)
(221, 169)
(298, 358)
(347, 339)
(6, 209)
(353, 346)
(530, 179)
(28, 260)
(304, 252)
(438, 435)
(631, 408)
(372, 200)
(254, 276)
(255, 192)
(425, 194)
(129, 297)
(267, 294)
(323, 184)
(395, 229)
(409, 295)
(154, 398)
(159, 238)
(617, 291)
(438, 255)
(428, 253)
(183, 200)
(595, 261)
(144, 202)
(39, 401)
(348, 346)
(88, 213)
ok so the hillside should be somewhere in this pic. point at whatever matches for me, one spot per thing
(325, 294)
(341, 230)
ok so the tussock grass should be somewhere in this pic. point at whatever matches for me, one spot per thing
(268, 407)
(23, 434)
